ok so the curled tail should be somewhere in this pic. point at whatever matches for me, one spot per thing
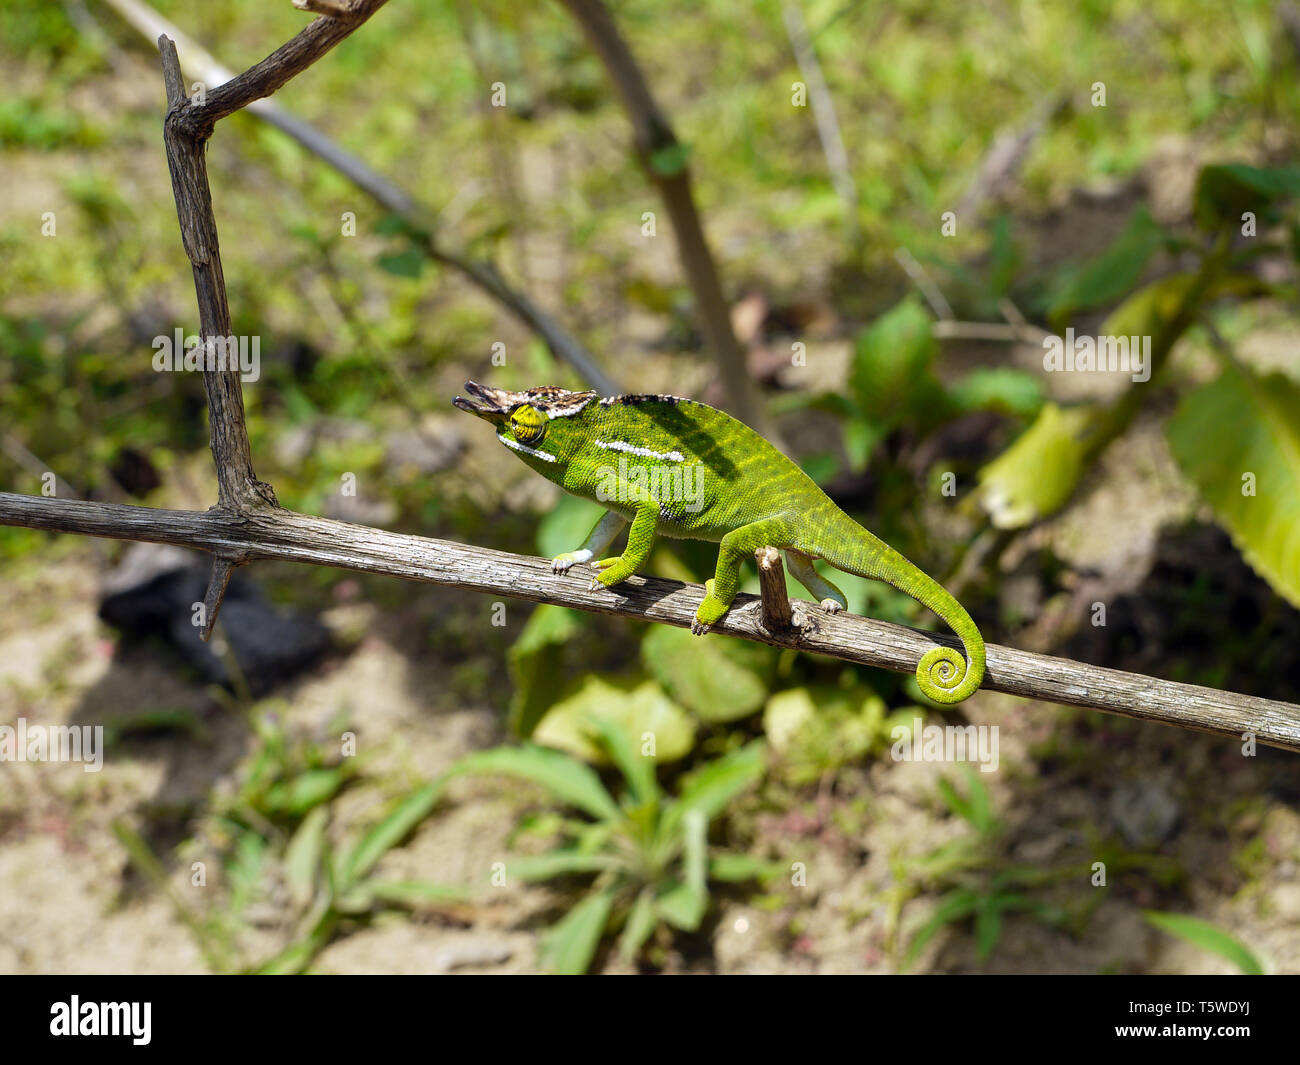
(943, 674)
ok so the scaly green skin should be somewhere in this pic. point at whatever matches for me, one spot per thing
(673, 467)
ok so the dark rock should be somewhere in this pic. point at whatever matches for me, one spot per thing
(153, 592)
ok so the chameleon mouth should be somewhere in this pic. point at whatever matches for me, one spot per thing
(494, 403)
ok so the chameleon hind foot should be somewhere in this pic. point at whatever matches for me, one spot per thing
(612, 571)
(710, 612)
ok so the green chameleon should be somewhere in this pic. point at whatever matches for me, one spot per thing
(679, 468)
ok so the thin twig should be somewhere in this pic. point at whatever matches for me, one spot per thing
(656, 142)
(823, 107)
(922, 280)
(420, 218)
(288, 536)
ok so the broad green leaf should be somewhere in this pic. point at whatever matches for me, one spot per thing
(1038, 473)
(302, 858)
(786, 715)
(891, 364)
(1002, 389)
(671, 161)
(716, 680)
(860, 440)
(532, 660)
(1112, 274)
(568, 946)
(644, 713)
(567, 779)
(683, 907)
(558, 863)
(639, 927)
(1224, 193)
(1208, 937)
(305, 791)
(408, 263)
(381, 838)
(1142, 313)
(709, 789)
(637, 768)
(1241, 424)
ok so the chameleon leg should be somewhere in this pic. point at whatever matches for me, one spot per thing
(597, 542)
(801, 565)
(640, 539)
(736, 546)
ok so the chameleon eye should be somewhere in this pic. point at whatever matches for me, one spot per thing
(529, 425)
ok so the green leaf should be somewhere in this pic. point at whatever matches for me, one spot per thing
(640, 925)
(640, 711)
(1146, 311)
(988, 926)
(1225, 192)
(305, 791)
(531, 660)
(1208, 937)
(1038, 473)
(1112, 274)
(1241, 424)
(381, 838)
(738, 868)
(891, 364)
(685, 903)
(1001, 389)
(302, 858)
(415, 894)
(954, 906)
(860, 439)
(670, 161)
(566, 778)
(785, 717)
(408, 263)
(709, 789)
(716, 680)
(558, 863)
(637, 769)
(568, 947)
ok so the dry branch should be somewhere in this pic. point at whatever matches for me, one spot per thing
(291, 537)
(419, 218)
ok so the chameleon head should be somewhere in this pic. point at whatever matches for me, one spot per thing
(524, 419)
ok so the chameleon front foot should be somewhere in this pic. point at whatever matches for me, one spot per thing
(710, 612)
(565, 562)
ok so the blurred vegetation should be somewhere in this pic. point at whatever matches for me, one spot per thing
(364, 336)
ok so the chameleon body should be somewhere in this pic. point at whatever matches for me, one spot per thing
(666, 466)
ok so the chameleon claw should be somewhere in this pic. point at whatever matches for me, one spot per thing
(698, 628)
